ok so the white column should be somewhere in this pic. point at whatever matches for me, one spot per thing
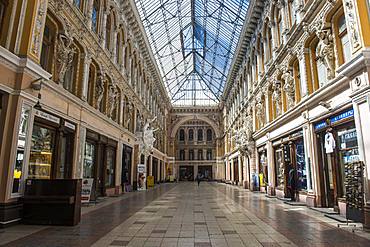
(89, 8)
(151, 165)
(81, 140)
(303, 72)
(270, 165)
(85, 75)
(240, 170)
(103, 28)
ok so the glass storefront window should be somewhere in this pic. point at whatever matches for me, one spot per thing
(41, 154)
(301, 166)
(88, 169)
(348, 149)
(19, 162)
(109, 178)
(279, 162)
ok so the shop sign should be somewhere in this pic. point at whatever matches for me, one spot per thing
(141, 177)
(47, 116)
(70, 125)
(342, 116)
(86, 189)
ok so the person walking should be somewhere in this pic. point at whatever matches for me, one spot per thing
(199, 178)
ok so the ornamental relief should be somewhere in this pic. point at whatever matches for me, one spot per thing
(38, 28)
(352, 24)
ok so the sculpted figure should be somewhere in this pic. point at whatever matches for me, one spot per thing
(276, 96)
(65, 53)
(99, 89)
(289, 88)
(112, 100)
(260, 112)
(325, 51)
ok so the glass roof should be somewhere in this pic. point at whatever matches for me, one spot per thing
(193, 42)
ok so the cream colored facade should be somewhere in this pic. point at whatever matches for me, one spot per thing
(297, 76)
(88, 80)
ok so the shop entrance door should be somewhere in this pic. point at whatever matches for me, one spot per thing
(186, 173)
(126, 166)
(206, 172)
(236, 171)
(327, 174)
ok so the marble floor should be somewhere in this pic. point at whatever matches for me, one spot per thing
(187, 215)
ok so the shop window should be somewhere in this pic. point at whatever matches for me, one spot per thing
(191, 134)
(345, 49)
(200, 135)
(200, 154)
(280, 168)
(95, 16)
(209, 154)
(18, 174)
(110, 169)
(301, 166)
(182, 135)
(348, 150)
(191, 154)
(89, 160)
(209, 135)
(42, 152)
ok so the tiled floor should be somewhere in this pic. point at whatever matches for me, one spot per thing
(185, 215)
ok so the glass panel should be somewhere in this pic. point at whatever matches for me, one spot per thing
(19, 162)
(41, 153)
(193, 43)
(279, 162)
(348, 147)
(321, 73)
(88, 168)
(109, 178)
(346, 48)
(301, 166)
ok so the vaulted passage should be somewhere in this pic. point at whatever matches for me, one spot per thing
(184, 122)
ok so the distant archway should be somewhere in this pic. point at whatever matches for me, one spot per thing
(188, 118)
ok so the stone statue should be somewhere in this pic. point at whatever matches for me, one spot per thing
(129, 115)
(325, 51)
(112, 100)
(260, 111)
(276, 96)
(65, 53)
(99, 90)
(289, 88)
(148, 138)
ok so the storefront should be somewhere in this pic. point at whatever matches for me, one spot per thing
(155, 169)
(236, 171)
(290, 166)
(99, 163)
(206, 172)
(262, 169)
(126, 168)
(337, 146)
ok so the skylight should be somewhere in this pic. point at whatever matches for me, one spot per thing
(193, 42)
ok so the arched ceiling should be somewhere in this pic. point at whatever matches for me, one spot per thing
(193, 42)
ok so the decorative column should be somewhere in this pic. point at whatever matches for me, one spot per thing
(151, 165)
(85, 75)
(232, 178)
(303, 71)
(114, 46)
(240, 170)
(267, 105)
(81, 140)
(89, 9)
(121, 108)
(34, 23)
(103, 27)
(253, 170)
(270, 168)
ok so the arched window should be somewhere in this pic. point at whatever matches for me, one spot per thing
(344, 47)
(70, 79)
(191, 135)
(200, 154)
(79, 4)
(191, 154)
(95, 15)
(209, 135)
(200, 135)
(182, 135)
(108, 32)
(47, 50)
(209, 154)
(91, 84)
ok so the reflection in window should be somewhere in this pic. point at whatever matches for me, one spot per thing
(19, 162)
(95, 16)
(344, 39)
(301, 166)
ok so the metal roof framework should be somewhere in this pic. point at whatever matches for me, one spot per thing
(193, 42)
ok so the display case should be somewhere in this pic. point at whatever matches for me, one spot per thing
(40, 165)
